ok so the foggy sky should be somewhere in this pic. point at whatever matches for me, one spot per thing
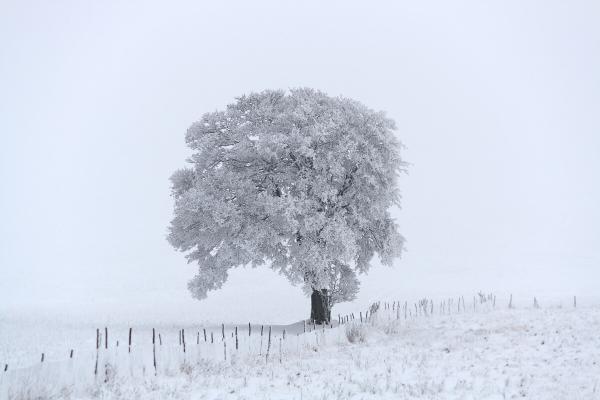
(497, 104)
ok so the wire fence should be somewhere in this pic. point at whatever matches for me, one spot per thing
(149, 355)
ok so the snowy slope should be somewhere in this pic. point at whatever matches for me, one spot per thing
(487, 354)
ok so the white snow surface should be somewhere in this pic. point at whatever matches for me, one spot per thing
(487, 353)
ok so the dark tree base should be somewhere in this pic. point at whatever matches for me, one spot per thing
(320, 310)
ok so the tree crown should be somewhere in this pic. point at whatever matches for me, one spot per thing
(301, 180)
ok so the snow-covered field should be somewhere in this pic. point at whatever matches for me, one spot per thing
(545, 353)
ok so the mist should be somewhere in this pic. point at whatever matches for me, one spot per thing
(496, 105)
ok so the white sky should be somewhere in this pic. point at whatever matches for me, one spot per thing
(498, 104)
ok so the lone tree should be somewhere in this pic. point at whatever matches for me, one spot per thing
(299, 180)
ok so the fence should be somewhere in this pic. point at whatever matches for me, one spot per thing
(145, 356)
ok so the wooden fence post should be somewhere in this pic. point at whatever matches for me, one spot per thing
(154, 350)
(129, 348)
(97, 350)
(269, 345)
(261, 339)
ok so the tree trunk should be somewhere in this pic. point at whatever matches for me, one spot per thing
(320, 311)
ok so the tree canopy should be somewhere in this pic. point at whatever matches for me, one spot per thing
(299, 180)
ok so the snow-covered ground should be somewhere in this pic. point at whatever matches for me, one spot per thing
(545, 353)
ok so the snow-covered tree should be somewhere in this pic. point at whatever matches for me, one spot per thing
(298, 180)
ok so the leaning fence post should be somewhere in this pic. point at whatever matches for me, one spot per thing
(5, 367)
(71, 354)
